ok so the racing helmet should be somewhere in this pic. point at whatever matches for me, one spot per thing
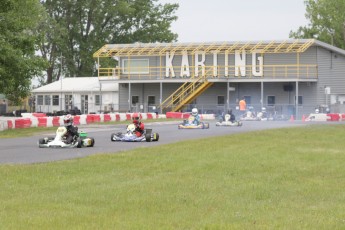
(136, 118)
(194, 111)
(263, 109)
(68, 120)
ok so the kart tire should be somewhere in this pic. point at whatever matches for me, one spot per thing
(92, 142)
(41, 141)
(205, 125)
(112, 137)
(156, 137)
(148, 137)
(80, 143)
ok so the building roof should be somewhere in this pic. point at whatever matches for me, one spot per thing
(159, 49)
(78, 84)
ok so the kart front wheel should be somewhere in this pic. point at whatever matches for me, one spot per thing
(41, 141)
(155, 137)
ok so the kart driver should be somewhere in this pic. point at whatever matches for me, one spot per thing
(196, 116)
(139, 126)
(232, 116)
(72, 131)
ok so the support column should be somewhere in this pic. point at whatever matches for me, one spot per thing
(129, 97)
(296, 101)
(227, 96)
(262, 95)
(161, 96)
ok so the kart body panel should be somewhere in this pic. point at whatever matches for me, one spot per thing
(59, 140)
(227, 122)
(130, 135)
(190, 124)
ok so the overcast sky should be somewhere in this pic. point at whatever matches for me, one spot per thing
(237, 20)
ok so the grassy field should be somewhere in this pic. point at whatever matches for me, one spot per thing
(276, 179)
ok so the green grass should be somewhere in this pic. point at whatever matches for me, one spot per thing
(276, 179)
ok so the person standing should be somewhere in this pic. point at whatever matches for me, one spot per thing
(243, 105)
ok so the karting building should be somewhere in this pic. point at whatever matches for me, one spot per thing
(291, 77)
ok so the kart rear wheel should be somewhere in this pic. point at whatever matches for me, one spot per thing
(92, 142)
(80, 143)
(148, 137)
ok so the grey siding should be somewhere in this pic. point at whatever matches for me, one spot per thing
(331, 74)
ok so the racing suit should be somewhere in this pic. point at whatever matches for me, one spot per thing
(232, 117)
(196, 119)
(72, 132)
(139, 128)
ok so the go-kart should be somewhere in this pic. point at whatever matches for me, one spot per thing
(250, 116)
(59, 141)
(190, 124)
(130, 135)
(227, 122)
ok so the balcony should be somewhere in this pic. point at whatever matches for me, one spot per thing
(270, 72)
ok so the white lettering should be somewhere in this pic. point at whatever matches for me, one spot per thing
(226, 64)
(168, 66)
(240, 63)
(199, 63)
(260, 61)
(185, 65)
(200, 59)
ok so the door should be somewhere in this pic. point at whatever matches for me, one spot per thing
(84, 104)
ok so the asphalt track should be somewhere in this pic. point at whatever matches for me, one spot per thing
(25, 150)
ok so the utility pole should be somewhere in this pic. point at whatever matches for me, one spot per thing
(60, 82)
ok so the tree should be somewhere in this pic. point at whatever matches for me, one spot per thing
(18, 61)
(76, 29)
(327, 22)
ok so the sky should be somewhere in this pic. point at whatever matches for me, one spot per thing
(237, 20)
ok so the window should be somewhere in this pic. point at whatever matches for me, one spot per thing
(248, 99)
(97, 99)
(271, 100)
(55, 99)
(135, 66)
(220, 100)
(68, 102)
(47, 99)
(39, 99)
(151, 100)
(135, 100)
(300, 100)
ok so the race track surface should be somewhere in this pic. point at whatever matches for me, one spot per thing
(26, 151)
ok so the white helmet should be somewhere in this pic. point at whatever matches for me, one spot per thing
(263, 109)
(68, 120)
(194, 111)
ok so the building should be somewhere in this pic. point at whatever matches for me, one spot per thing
(291, 77)
(87, 94)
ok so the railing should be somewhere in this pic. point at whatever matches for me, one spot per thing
(178, 97)
(215, 72)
